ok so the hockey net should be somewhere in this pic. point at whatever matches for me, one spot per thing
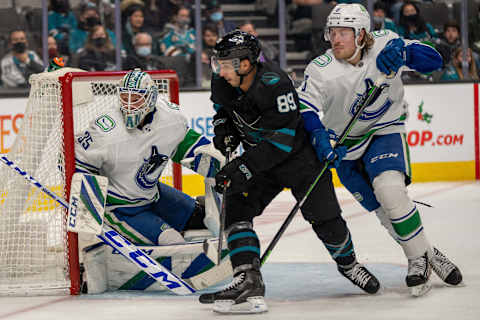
(37, 254)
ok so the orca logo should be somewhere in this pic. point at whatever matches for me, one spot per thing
(149, 172)
(370, 113)
(270, 78)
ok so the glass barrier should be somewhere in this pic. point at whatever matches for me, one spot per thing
(108, 35)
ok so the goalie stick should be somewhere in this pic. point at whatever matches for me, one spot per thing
(366, 100)
(119, 243)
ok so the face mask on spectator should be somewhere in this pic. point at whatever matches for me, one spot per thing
(52, 52)
(216, 16)
(378, 20)
(92, 21)
(19, 47)
(183, 22)
(60, 7)
(144, 51)
(412, 19)
(99, 42)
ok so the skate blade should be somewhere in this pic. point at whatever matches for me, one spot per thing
(421, 289)
(252, 305)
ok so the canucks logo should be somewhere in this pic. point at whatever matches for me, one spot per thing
(370, 113)
(270, 78)
(149, 172)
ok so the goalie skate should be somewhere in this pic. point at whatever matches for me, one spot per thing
(418, 277)
(445, 269)
(243, 295)
(361, 277)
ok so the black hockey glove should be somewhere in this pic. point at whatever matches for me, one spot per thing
(235, 176)
(225, 136)
(223, 142)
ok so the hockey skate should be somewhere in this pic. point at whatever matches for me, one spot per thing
(243, 295)
(418, 277)
(445, 269)
(361, 277)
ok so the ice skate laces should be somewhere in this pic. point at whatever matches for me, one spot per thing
(358, 275)
(417, 266)
(235, 282)
(441, 264)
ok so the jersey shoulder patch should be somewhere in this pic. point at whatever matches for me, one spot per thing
(270, 78)
(105, 123)
(380, 33)
(323, 60)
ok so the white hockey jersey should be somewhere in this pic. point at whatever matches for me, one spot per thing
(333, 88)
(133, 160)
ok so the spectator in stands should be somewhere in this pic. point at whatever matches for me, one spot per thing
(413, 26)
(143, 57)
(179, 39)
(61, 21)
(474, 31)
(19, 64)
(454, 70)
(53, 50)
(449, 41)
(133, 25)
(380, 19)
(158, 13)
(99, 51)
(300, 15)
(214, 14)
(89, 18)
(269, 52)
(210, 37)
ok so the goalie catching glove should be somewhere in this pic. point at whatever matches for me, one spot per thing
(236, 176)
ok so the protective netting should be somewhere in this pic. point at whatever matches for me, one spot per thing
(33, 238)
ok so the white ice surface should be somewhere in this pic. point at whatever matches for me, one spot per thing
(301, 280)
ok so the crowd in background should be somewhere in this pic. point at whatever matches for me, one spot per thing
(159, 34)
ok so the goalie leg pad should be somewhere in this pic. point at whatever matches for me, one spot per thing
(95, 275)
(391, 192)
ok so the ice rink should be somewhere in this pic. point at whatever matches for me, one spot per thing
(302, 282)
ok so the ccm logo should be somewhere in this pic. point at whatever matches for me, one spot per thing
(73, 212)
(384, 156)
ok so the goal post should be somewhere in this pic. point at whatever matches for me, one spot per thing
(37, 254)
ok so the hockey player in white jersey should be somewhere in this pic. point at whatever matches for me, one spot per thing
(375, 166)
(131, 145)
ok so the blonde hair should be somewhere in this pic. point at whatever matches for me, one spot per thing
(89, 43)
(472, 68)
(368, 40)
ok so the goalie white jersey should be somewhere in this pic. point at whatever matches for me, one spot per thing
(134, 159)
(334, 88)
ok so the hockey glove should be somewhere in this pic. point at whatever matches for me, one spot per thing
(323, 148)
(235, 176)
(392, 57)
(222, 143)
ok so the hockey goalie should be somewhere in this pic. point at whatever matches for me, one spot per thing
(130, 144)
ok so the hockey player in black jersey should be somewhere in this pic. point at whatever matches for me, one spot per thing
(257, 106)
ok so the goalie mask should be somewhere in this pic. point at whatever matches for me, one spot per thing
(353, 16)
(233, 48)
(137, 95)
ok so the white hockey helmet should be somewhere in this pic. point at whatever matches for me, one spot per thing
(352, 15)
(137, 95)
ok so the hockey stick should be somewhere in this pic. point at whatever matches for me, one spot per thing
(363, 104)
(223, 211)
(119, 243)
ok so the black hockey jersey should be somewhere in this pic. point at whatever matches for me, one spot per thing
(266, 118)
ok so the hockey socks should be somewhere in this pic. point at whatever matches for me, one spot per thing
(246, 291)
